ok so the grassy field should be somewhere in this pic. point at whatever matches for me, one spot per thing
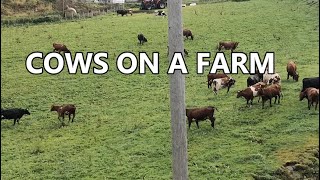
(122, 127)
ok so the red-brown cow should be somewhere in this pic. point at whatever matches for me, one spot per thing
(228, 45)
(272, 91)
(187, 33)
(312, 94)
(292, 71)
(66, 109)
(201, 114)
(60, 47)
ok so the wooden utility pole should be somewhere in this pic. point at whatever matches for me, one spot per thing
(177, 94)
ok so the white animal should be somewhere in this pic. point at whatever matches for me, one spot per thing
(71, 11)
(272, 78)
(220, 83)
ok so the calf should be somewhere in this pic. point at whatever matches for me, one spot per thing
(201, 114)
(312, 94)
(292, 71)
(124, 12)
(222, 83)
(272, 91)
(228, 45)
(142, 39)
(310, 82)
(60, 47)
(15, 114)
(272, 78)
(187, 33)
(66, 109)
(211, 77)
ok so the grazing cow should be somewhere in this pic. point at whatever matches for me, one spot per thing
(187, 33)
(312, 94)
(124, 12)
(15, 114)
(66, 109)
(228, 45)
(269, 92)
(310, 82)
(222, 83)
(250, 92)
(142, 39)
(292, 71)
(253, 79)
(60, 47)
(272, 78)
(201, 114)
(211, 77)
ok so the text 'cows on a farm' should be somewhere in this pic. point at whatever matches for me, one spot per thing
(177, 63)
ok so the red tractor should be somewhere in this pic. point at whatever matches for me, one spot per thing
(153, 4)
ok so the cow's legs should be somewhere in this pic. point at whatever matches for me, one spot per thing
(270, 102)
(275, 99)
(14, 121)
(189, 121)
(212, 119)
(288, 76)
(74, 114)
(309, 104)
(316, 105)
(197, 124)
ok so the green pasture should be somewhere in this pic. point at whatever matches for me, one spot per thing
(122, 126)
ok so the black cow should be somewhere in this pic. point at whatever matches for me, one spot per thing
(310, 82)
(15, 114)
(124, 12)
(142, 39)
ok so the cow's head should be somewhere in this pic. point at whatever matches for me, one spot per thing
(302, 95)
(239, 94)
(296, 76)
(231, 82)
(26, 112)
(145, 39)
(236, 44)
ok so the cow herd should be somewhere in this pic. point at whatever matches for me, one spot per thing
(264, 86)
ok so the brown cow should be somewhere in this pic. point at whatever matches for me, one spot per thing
(228, 45)
(211, 77)
(292, 71)
(201, 114)
(66, 109)
(60, 47)
(312, 94)
(187, 33)
(272, 91)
